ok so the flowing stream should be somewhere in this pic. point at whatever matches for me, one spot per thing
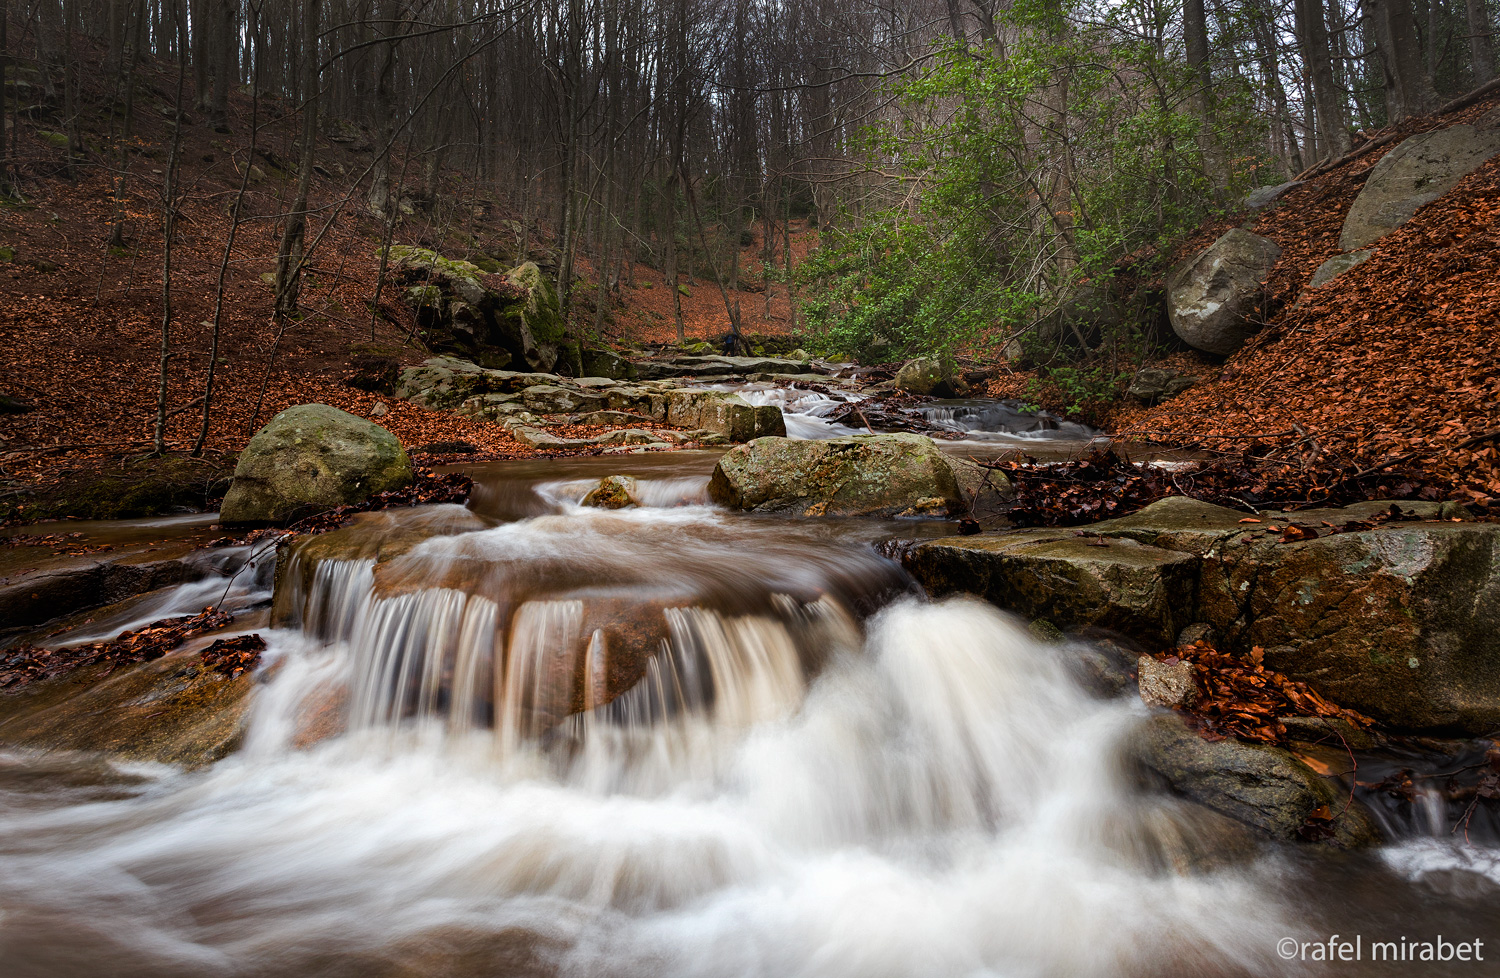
(669, 741)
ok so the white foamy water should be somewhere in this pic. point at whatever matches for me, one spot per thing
(444, 774)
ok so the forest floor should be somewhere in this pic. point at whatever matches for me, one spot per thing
(81, 323)
(1396, 362)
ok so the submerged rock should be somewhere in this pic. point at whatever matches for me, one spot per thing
(863, 475)
(613, 492)
(312, 458)
(1261, 786)
(1214, 299)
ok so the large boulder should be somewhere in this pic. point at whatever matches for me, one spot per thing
(864, 475)
(311, 458)
(1417, 172)
(498, 321)
(927, 376)
(1261, 786)
(1214, 300)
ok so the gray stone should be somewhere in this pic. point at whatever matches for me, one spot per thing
(1266, 196)
(555, 399)
(311, 458)
(1261, 786)
(1142, 591)
(1336, 266)
(865, 475)
(1153, 384)
(1215, 299)
(1420, 170)
(1166, 684)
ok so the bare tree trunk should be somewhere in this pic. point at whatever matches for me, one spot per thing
(1481, 40)
(7, 178)
(289, 256)
(1312, 30)
(168, 227)
(1408, 89)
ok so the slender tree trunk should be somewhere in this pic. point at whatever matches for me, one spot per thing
(289, 256)
(1312, 30)
(168, 225)
(1481, 40)
(1408, 89)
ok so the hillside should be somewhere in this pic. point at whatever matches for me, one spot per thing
(1396, 361)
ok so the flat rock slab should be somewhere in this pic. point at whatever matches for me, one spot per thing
(174, 710)
(1400, 621)
(1126, 586)
(37, 585)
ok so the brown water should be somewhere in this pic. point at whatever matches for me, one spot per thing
(813, 771)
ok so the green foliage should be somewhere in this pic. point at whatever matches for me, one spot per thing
(1078, 386)
(1009, 182)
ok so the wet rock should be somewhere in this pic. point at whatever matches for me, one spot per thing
(1263, 787)
(174, 710)
(613, 492)
(865, 475)
(312, 458)
(37, 585)
(1103, 666)
(1153, 384)
(1336, 266)
(1214, 300)
(1395, 621)
(1420, 170)
(1165, 684)
(1266, 196)
(1141, 591)
(1198, 632)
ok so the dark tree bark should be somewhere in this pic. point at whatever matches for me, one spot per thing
(1408, 89)
(1481, 40)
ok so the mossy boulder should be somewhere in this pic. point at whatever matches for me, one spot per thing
(927, 375)
(613, 492)
(864, 475)
(532, 326)
(312, 458)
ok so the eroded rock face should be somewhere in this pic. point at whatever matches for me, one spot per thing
(311, 458)
(1400, 621)
(865, 475)
(1415, 173)
(1263, 787)
(510, 321)
(1214, 299)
